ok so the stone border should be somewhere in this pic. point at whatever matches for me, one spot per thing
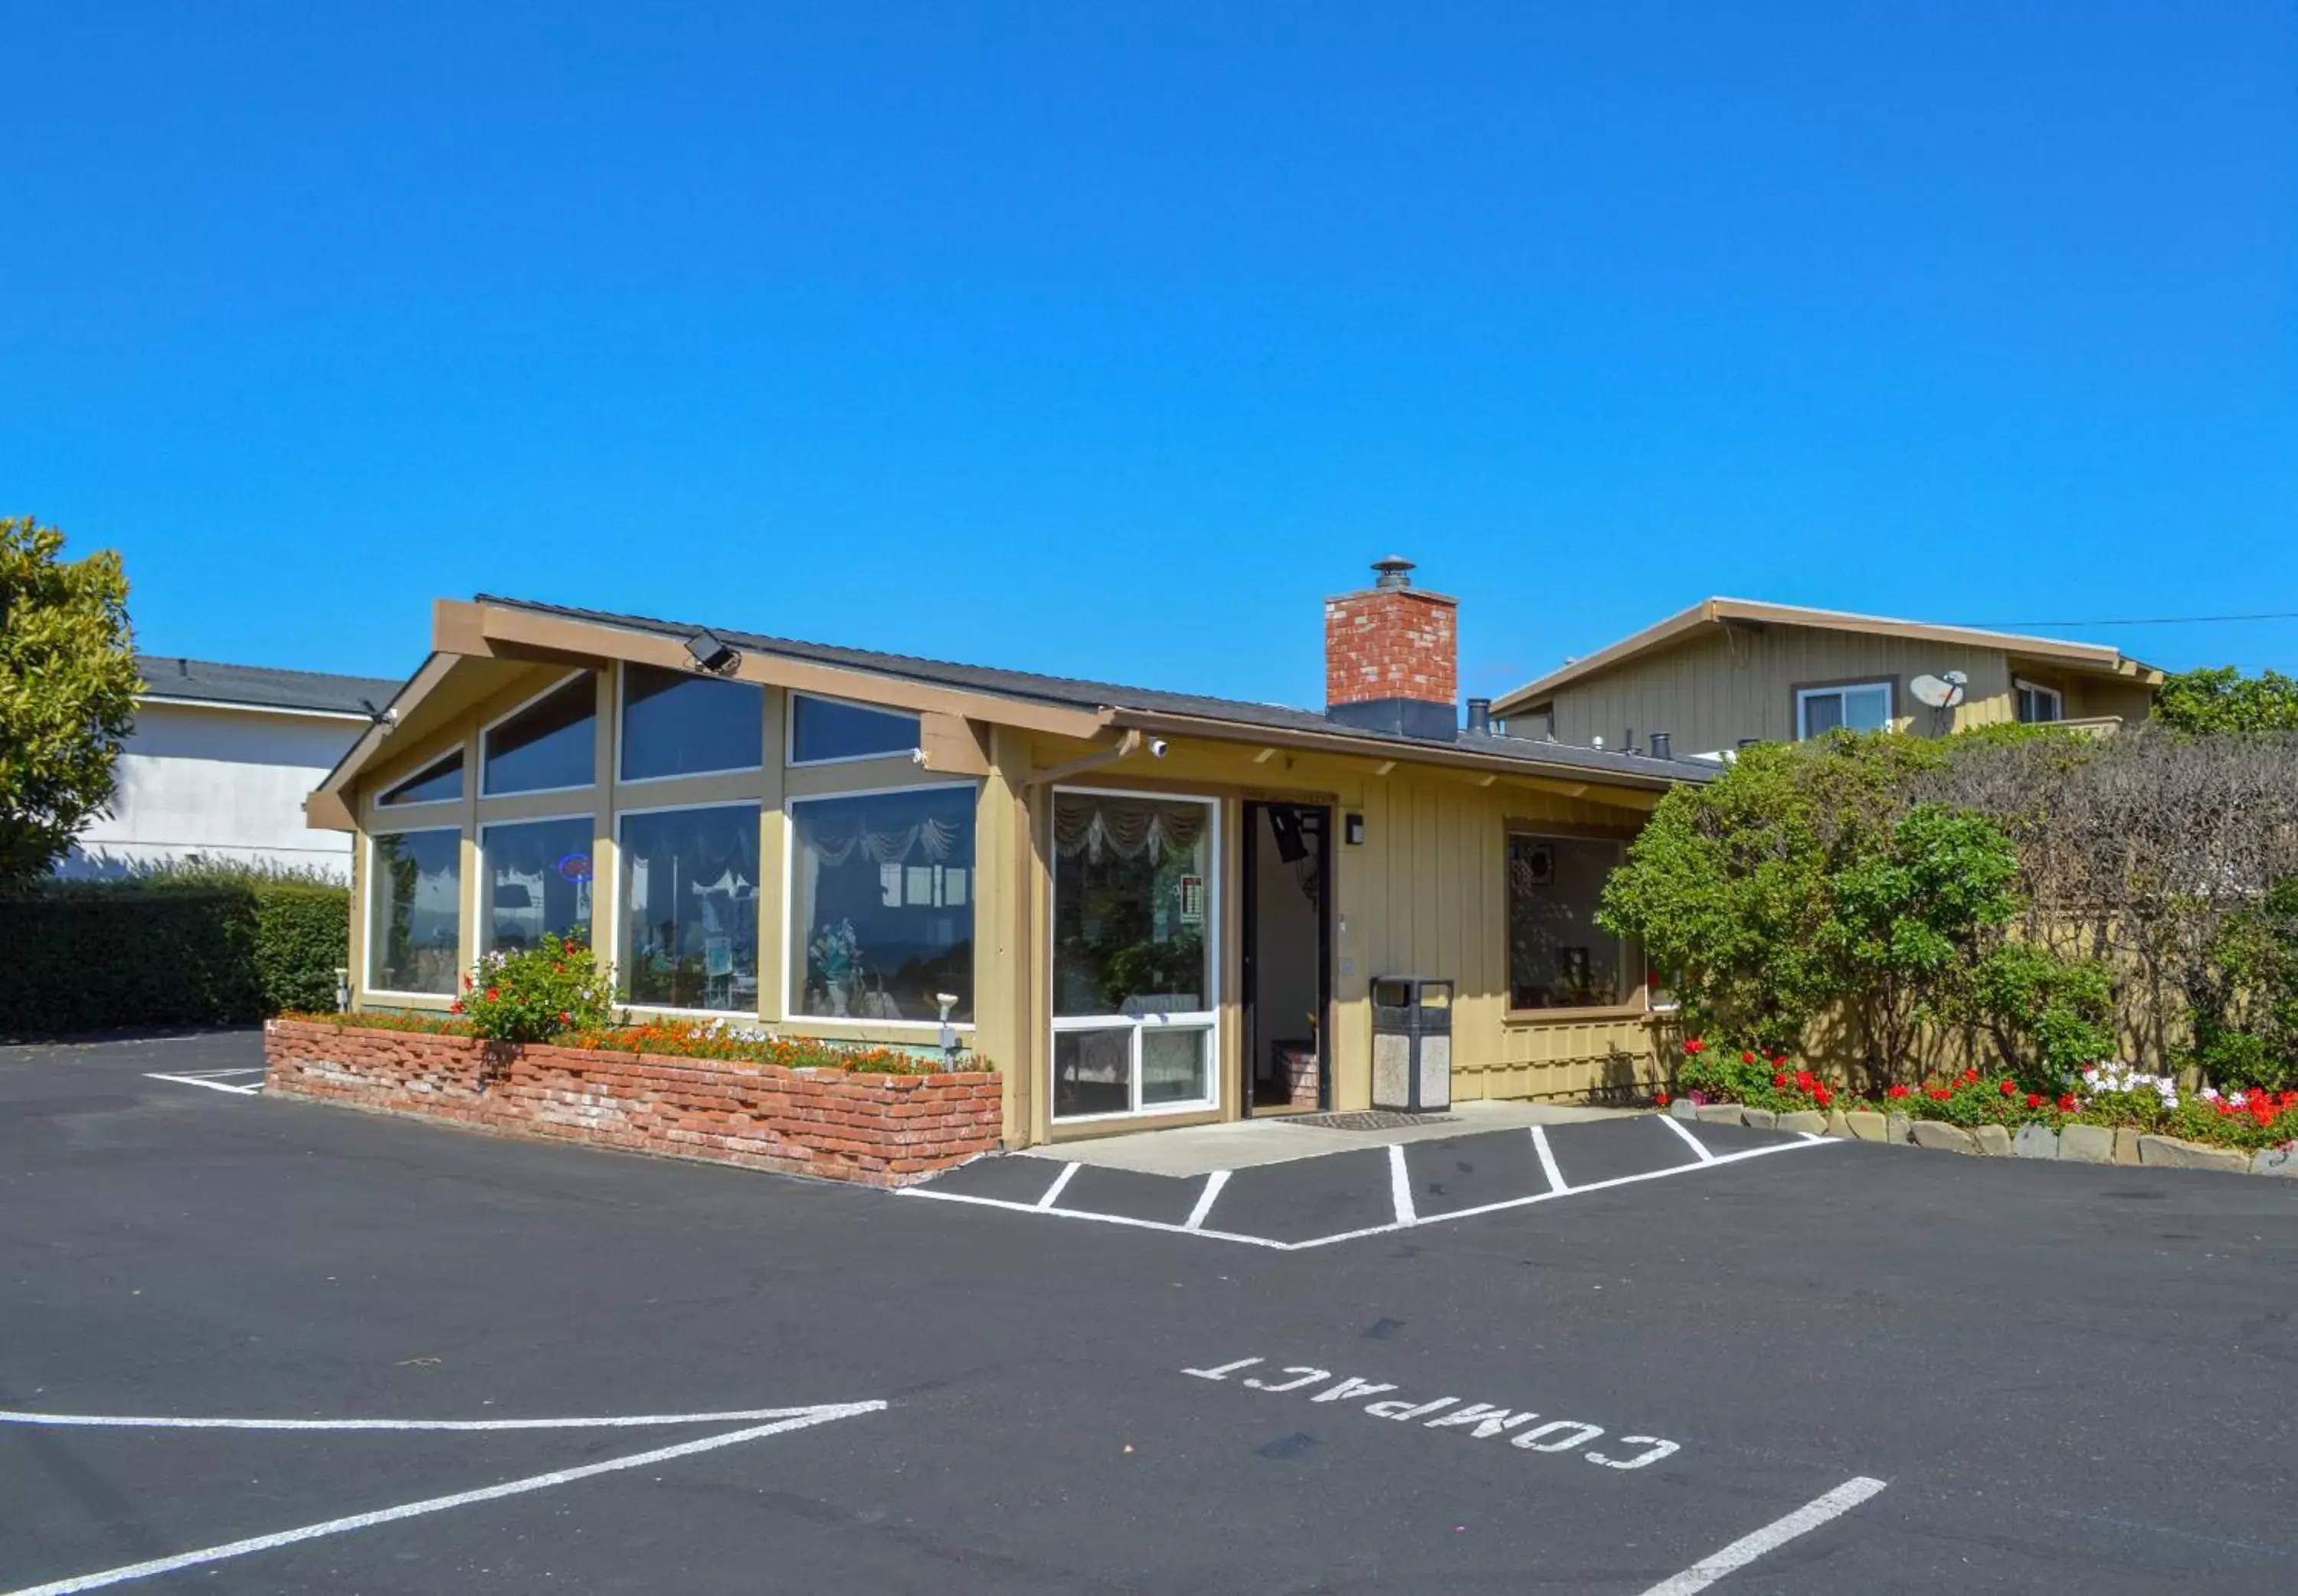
(2073, 1144)
(876, 1129)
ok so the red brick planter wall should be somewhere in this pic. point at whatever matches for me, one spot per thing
(880, 1130)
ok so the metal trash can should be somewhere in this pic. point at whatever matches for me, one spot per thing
(1411, 1043)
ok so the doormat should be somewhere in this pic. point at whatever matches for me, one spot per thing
(1370, 1119)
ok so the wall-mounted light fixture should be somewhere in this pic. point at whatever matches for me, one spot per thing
(712, 654)
(1352, 831)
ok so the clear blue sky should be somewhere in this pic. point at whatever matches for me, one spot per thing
(1108, 338)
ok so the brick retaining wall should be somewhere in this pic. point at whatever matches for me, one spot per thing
(879, 1129)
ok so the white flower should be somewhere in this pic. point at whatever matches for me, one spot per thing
(2211, 1095)
(2236, 1099)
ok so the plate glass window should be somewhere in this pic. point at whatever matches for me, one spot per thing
(677, 723)
(1134, 891)
(1865, 707)
(881, 904)
(824, 732)
(690, 907)
(537, 877)
(435, 783)
(1558, 956)
(552, 743)
(2040, 706)
(414, 892)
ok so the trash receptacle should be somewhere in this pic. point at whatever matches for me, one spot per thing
(1411, 1043)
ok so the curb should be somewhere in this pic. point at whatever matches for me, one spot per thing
(2075, 1144)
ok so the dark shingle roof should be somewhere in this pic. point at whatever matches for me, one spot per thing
(201, 680)
(1069, 693)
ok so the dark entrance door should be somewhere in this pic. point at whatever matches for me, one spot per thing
(1288, 945)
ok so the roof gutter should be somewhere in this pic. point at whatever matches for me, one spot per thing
(1397, 752)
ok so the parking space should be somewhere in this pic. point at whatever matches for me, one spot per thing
(353, 1354)
(1326, 1198)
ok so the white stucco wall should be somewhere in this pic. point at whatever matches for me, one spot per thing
(221, 782)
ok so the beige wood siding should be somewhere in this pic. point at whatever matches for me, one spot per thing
(1725, 683)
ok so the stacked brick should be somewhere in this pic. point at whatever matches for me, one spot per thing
(1391, 643)
(878, 1130)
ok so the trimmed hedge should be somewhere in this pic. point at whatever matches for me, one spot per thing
(101, 957)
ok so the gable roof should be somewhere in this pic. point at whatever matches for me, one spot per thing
(1124, 704)
(170, 679)
(1715, 612)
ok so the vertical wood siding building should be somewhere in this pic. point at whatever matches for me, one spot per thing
(1145, 908)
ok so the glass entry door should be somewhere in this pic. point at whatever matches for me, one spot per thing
(1134, 953)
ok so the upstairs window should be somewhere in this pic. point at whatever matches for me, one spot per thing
(439, 782)
(548, 745)
(829, 730)
(1857, 706)
(1557, 957)
(2039, 706)
(677, 723)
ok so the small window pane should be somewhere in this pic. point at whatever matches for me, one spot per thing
(1093, 1072)
(1176, 1066)
(414, 909)
(549, 744)
(537, 880)
(433, 784)
(1822, 712)
(823, 729)
(677, 724)
(1132, 890)
(690, 897)
(1867, 708)
(881, 904)
(1558, 956)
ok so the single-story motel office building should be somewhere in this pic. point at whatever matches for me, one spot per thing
(1150, 908)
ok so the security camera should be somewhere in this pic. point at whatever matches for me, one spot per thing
(1156, 747)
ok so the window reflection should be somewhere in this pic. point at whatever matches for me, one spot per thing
(414, 911)
(677, 724)
(690, 907)
(881, 904)
(538, 881)
(552, 743)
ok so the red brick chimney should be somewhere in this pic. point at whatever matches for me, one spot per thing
(1392, 656)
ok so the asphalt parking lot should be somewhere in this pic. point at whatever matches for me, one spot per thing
(396, 1358)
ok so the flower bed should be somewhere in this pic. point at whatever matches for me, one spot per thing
(875, 1115)
(2111, 1096)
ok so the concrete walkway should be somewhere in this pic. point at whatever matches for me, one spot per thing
(1248, 1144)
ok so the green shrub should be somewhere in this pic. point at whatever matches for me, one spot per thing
(2049, 1016)
(171, 948)
(2249, 1037)
(538, 993)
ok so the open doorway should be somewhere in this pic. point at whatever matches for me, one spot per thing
(1288, 894)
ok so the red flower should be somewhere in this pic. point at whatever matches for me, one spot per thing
(564, 1016)
(2009, 1088)
(1804, 1078)
(2034, 1100)
(1896, 1092)
(1940, 1093)
(456, 1007)
(1747, 1058)
(1821, 1095)
(467, 983)
(1970, 1078)
(2067, 1103)
(1694, 1044)
(492, 994)
(1660, 1098)
(560, 968)
(1781, 1081)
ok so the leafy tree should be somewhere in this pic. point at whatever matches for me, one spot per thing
(68, 686)
(2224, 699)
(2049, 1016)
(1805, 881)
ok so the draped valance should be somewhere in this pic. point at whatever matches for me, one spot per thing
(1087, 824)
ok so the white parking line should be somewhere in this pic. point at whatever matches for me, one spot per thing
(1690, 1140)
(1205, 1199)
(1748, 1548)
(798, 1419)
(1042, 1206)
(114, 1421)
(213, 1086)
(1400, 1185)
(1548, 1161)
(1054, 1192)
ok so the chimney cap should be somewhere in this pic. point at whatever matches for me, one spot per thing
(1391, 571)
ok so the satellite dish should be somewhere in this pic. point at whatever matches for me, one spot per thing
(1939, 692)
